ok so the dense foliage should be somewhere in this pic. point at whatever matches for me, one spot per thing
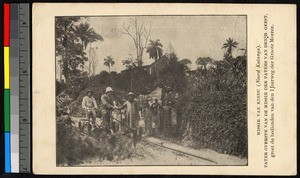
(214, 108)
(174, 75)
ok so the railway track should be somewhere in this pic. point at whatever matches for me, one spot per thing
(178, 151)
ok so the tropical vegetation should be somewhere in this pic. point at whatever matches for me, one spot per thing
(213, 102)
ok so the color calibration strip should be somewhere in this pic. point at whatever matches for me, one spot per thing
(14, 87)
(7, 136)
(17, 88)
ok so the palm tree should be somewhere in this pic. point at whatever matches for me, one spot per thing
(154, 50)
(230, 45)
(109, 62)
(86, 34)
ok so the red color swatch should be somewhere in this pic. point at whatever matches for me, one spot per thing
(6, 24)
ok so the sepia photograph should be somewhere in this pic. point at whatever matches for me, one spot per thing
(151, 90)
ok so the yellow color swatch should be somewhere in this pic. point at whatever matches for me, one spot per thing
(6, 68)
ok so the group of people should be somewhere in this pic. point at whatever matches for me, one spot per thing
(150, 117)
(109, 106)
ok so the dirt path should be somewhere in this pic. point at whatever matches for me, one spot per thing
(146, 154)
(152, 154)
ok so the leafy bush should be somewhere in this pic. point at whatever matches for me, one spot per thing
(73, 147)
(218, 120)
(214, 108)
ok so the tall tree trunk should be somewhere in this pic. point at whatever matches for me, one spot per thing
(60, 71)
(155, 67)
(93, 69)
(157, 57)
(131, 80)
(65, 71)
(89, 68)
(139, 61)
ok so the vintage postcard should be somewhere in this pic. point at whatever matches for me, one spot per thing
(164, 89)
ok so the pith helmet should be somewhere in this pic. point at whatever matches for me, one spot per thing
(108, 89)
(130, 93)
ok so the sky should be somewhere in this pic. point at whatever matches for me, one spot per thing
(190, 36)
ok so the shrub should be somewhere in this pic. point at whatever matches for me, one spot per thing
(74, 147)
(214, 108)
(218, 120)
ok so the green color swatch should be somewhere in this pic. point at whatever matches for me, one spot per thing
(6, 110)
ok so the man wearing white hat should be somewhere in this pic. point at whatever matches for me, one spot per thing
(107, 105)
